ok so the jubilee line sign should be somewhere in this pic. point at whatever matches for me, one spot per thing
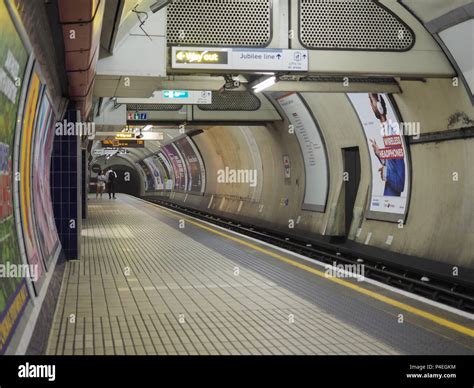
(244, 59)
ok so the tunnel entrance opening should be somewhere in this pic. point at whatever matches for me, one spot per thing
(352, 172)
(127, 181)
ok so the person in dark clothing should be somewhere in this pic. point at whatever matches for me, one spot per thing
(111, 177)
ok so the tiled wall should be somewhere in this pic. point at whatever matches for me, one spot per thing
(66, 190)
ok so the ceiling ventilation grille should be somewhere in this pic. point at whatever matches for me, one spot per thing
(153, 107)
(352, 25)
(219, 23)
(233, 101)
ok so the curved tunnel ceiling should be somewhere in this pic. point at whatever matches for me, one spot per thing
(430, 106)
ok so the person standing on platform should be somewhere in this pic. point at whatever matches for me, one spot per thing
(101, 181)
(111, 177)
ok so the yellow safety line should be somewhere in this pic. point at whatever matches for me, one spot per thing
(432, 317)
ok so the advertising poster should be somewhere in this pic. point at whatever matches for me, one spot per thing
(26, 204)
(149, 179)
(13, 289)
(155, 172)
(312, 149)
(179, 169)
(162, 171)
(44, 137)
(167, 170)
(142, 173)
(194, 165)
(388, 156)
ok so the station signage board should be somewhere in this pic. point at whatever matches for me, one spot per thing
(180, 97)
(243, 59)
(137, 116)
(132, 135)
(185, 97)
(109, 151)
(124, 135)
(175, 94)
(123, 143)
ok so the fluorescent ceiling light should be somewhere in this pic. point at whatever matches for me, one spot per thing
(265, 84)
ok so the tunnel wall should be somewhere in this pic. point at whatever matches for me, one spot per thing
(28, 235)
(438, 223)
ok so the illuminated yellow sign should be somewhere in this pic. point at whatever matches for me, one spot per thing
(205, 57)
(124, 135)
(123, 143)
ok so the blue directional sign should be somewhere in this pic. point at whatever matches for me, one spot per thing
(137, 116)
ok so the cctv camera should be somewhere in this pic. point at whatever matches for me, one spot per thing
(157, 6)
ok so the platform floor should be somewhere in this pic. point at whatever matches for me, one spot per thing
(146, 286)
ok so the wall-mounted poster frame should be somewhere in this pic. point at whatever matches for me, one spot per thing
(390, 162)
(47, 235)
(194, 165)
(168, 170)
(15, 291)
(313, 150)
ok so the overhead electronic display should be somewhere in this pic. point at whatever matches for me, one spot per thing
(388, 156)
(125, 135)
(249, 59)
(313, 151)
(123, 143)
(149, 135)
